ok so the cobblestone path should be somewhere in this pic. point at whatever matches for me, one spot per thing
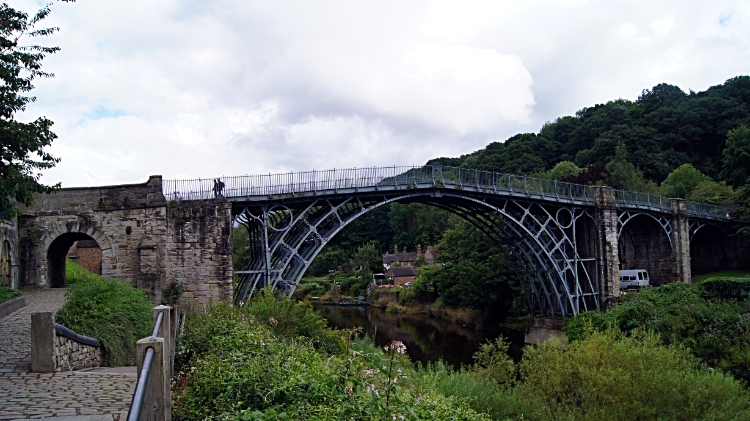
(40, 395)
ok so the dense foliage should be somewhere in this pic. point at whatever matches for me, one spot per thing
(711, 319)
(476, 275)
(237, 363)
(610, 377)
(115, 313)
(22, 145)
(663, 129)
(242, 367)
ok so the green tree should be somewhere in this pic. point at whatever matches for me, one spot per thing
(736, 157)
(369, 257)
(624, 175)
(563, 169)
(240, 248)
(712, 192)
(22, 145)
(683, 181)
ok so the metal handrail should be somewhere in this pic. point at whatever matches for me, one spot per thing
(157, 324)
(134, 413)
(375, 178)
(309, 183)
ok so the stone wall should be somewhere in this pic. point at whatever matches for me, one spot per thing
(71, 355)
(143, 239)
(9, 240)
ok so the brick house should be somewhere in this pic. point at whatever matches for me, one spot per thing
(401, 275)
(409, 259)
(87, 254)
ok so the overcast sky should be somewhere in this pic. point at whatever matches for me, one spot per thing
(199, 88)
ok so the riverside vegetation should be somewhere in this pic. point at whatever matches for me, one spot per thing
(274, 359)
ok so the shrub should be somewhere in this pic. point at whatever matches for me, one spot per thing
(7, 294)
(481, 393)
(726, 288)
(614, 377)
(291, 319)
(240, 369)
(715, 330)
(114, 312)
(172, 293)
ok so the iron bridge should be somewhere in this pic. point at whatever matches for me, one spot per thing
(290, 217)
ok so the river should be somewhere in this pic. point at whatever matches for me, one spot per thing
(427, 338)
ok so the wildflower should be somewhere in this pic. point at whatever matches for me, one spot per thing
(372, 388)
(272, 321)
(348, 390)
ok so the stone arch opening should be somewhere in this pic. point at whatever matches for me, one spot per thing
(644, 244)
(5, 275)
(712, 250)
(57, 254)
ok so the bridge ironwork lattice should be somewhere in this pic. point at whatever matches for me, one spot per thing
(290, 217)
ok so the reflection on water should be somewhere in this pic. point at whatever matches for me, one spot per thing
(427, 338)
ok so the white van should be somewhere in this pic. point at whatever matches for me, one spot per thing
(633, 278)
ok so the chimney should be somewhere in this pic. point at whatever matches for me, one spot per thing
(395, 249)
(419, 249)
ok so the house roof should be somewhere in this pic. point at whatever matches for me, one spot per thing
(399, 257)
(402, 271)
(87, 244)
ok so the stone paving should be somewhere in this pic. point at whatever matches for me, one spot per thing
(26, 395)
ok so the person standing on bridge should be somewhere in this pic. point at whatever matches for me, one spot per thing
(218, 187)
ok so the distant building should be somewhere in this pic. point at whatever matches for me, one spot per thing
(409, 259)
(402, 275)
(87, 254)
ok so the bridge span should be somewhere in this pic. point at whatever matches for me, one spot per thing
(566, 242)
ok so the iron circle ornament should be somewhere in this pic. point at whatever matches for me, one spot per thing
(568, 217)
(285, 222)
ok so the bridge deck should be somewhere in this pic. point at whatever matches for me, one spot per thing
(392, 180)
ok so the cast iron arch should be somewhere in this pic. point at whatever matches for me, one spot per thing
(284, 239)
(664, 221)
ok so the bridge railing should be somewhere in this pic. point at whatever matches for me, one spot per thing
(638, 199)
(632, 198)
(706, 210)
(310, 182)
(371, 177)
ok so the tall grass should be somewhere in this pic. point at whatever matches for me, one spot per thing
(75, 273)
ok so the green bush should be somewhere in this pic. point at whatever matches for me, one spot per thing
(715, 330)
(7, 294)
(726, 288)
(240, 369)
(614, 377)
(291, 319)
(115, 313)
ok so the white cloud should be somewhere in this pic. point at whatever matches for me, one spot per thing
(191, 88)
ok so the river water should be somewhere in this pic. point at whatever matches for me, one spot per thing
(427, 338)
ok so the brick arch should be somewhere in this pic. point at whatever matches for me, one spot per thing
(59, 240)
